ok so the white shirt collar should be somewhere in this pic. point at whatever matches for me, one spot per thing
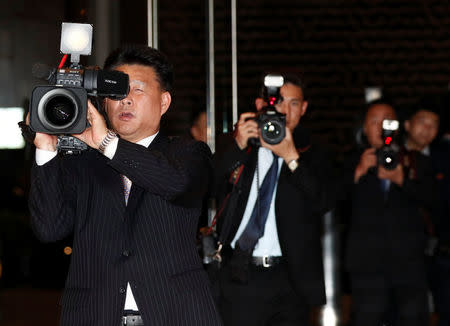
(148, 140)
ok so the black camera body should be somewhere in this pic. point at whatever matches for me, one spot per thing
(61, 108)
(388, 155)
(271, 123)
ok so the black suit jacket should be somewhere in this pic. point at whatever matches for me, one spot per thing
(300, 200)
(387, 235)
(149, 243)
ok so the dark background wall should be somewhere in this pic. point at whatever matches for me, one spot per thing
(339, 47)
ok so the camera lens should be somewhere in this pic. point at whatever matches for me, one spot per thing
(272, 130)
(60, 110)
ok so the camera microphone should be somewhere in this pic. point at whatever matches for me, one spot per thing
(43, 71)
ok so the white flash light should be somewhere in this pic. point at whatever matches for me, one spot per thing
(391, 125)
(373, 93)
(76, 39)
(273, 81)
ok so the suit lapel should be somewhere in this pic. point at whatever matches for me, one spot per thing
(136, 192)
(111, 183)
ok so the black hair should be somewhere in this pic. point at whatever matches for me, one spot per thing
(146, 56)
(195, 115)
(380, 101)
(290, 78)
(433, 104)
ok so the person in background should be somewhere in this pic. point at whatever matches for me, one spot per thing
(272, 271)
(198, 126)
(385, 245)
(422, 127)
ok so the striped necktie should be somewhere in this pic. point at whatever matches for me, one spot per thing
(126, 187)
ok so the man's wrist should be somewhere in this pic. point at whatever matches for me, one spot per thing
(110, 135)
(291, 157)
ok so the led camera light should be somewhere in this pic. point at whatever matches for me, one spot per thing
(76, 38)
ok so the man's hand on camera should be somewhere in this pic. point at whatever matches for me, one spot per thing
(93, 135)
(396, 175)
(368, 159)
(285, 149)
(43, 141)
(245, 128)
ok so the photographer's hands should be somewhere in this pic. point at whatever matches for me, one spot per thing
(368, 160)
(43, 141)
(245, 128)
(396, 176)
(93, 135)
(285, 149)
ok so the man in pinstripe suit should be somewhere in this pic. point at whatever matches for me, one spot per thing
(134, 257)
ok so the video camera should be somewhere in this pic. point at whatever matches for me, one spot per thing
(388, 154)
(270, 121)
(61, 107)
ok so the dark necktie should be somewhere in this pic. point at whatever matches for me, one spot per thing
(384, 184)
(257, 222)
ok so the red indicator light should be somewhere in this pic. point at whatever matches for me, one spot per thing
(388, 140)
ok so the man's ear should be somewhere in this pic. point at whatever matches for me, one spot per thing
(407, 125)
(304, 107)
(259, 103)
(166, 99)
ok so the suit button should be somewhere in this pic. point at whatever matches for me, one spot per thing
(122, 290)
(126, 253)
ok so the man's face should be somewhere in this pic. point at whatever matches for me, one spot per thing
(422, 128)
(139, 114)
(373, 123)
(293, 105)
(198, 129)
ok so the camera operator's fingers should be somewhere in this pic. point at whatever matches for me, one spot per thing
(367, 160)
(45, 142)
(245, 116)
(245, 130)
(285, 149)
(98, 125)
(396, 175)
(40, 140)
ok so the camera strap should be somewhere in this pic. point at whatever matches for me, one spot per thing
(208, 231)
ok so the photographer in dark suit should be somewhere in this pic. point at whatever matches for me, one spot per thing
(385, 243)
(272, 271)
(132, 202)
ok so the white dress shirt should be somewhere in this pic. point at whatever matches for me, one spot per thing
(268, 244)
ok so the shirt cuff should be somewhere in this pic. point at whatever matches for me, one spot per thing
(111, 148)
(43, 156)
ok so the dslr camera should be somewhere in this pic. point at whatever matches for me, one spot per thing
(388, 154)
(271, 123)
(60, 108)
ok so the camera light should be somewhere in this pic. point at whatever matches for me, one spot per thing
(273, 81)
(373, 93)
(391, 125)
(76, 39)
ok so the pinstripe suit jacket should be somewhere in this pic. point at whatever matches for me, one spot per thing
(149, 243)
